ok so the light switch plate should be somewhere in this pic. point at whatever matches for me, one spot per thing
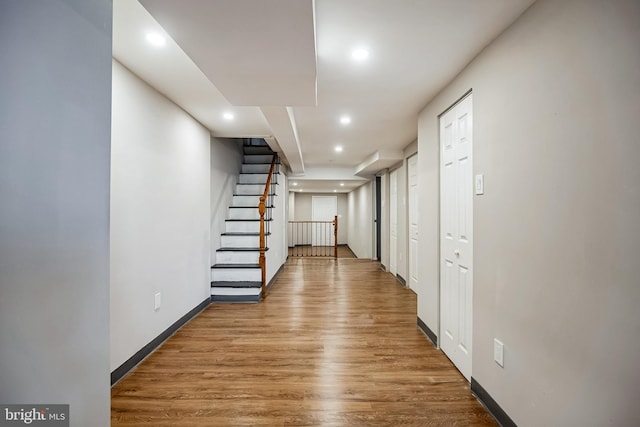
(498, 352)
(156, 306)
(479, 184)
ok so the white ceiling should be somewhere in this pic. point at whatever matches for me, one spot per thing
(264, 61)
(257, 53)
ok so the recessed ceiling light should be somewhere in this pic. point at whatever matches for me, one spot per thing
(228, 116)
(342, 184)
(345, 120)
(294, 184)
(156, 39)
(360, 54)
(335, 191)
(338, 149)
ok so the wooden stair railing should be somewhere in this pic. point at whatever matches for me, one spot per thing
(262, 208)
(312, 238)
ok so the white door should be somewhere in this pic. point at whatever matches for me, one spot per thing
(412, 172)
(323, 208)
(393, 222)
(456, 234)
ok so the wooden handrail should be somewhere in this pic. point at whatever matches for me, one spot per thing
(262, 208)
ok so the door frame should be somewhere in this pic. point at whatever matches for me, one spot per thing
(378, 219)
(393, 214)
(412, 201)
(441, 311)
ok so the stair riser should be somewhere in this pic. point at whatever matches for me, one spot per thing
(253, 178)
(250, 189)
(234, 291)
(239, 241)
(241, 299)
(266, 151)
(259, 168)
(241, 257)
(257, 149)
(244, 213)
(246, 201)
(243, 227)
(236, 274)
(260, 158)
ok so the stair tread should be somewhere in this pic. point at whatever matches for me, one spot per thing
(256, 173)
(231, 249)
(228, 284)
(249, 207)
(242, 233)
(255, 183)
(255, 195)
(259, 163)
(247, 220)
(226, 265)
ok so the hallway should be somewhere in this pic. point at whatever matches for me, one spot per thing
(334, 344)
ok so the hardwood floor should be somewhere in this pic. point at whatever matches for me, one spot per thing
(334, 344)
(344, 251)
(321, 251)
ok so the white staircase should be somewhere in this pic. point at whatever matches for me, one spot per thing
(236, 275)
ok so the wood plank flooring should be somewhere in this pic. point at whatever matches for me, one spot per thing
(321, 251)
(334, 344)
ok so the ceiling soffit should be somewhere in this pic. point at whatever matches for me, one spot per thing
(256, 52)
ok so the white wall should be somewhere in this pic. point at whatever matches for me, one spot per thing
(360, 221)
(226, 165)
(55, 108)
(291, 210)
(278, 251)
(557, 236)
(303, 211)
(160, 204)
